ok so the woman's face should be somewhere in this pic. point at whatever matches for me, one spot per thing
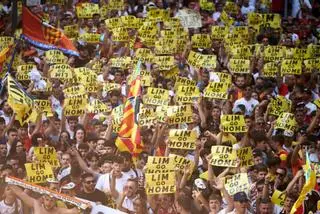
(80, 135)
(19, 147)
(64, 137)
(138, 205)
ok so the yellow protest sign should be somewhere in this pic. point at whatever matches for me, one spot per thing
(38, 172)
(121, 62)
(205, 5)
(217, 90)
(164, 62)
(297, 53)
(270, 69)
(313, 50)
(6, 41)
(144, 55)
(274, 53)
(311, 64)
(246, 157)
(75, 106)
(239, 65)
(115, 4)
(237, 183)
(198, 60)
(233, 123)
(182, 139)
(171, 23)
(61, 71)
(47, 155)
(286, 121)
(120, 34)
(317, 102)
(74, 91)
(90, 37)
(162, 113)
(242, 52)
(187, 94)
(97, 106)
(278, 197)
(162, 183)
(71, 31)
(201, 41)
(271, 20)
(108, 86)
(228, 21)
(44, 106)
(87, 10)
(223, 156)
(160, 164)
(184, 81)
(218, 32)
(181, 162)
(23, 71)
(168, 34)
(278, 105)
(147, 116)
(291, 66)
(156, 96)
(113, 23)
(231, 8)
(222, 77)
(158, 15)
(55, 57)
(130, 21)
(165, 46)
(254, 20)
(179, 114)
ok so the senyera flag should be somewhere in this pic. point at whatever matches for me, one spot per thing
(129, 138)
(44, 36)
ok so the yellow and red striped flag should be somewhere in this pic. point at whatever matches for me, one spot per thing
(129, 138)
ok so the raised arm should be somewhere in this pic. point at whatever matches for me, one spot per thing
(220, 186)
(27, 200)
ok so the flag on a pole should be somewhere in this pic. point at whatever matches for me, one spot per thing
(129, 138)
(310, 183)
(44, 36)
(21, 103)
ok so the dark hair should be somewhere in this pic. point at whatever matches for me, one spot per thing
(126, 155)
(80, 127)
(34, 138)
(261, 168)
(118, 159)
(90, 155)
(2, 120)
(86, 175)
(11, 130)
(83, 146)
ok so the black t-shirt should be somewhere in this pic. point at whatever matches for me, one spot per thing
(96, 196)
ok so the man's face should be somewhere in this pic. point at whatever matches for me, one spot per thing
(83, 152)
(214, 205)
(72, 124)
(23, 131)
(13, 136)
(100, 144)
(257, 160)
(240, 206)
(109, 150)
(106, 168)
(240, 81)
(264, 208)
(48, 202)
(117, 168)
(14, 164)
(89, 184)
(261, 175)
(7, 109)
(280, 173)
(288, 203)
(132, 188)
(118, 77)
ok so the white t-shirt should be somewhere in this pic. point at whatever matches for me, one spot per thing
(131, 174)
(7, 209)
(311, 107)
(128, 203)
(103, 183)
(249, 104)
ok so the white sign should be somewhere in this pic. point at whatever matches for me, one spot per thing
(189, 18)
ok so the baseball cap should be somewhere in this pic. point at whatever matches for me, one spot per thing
(241, 197)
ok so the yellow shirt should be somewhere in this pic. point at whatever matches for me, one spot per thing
(227, 138)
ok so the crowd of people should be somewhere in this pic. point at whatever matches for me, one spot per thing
(93, 167)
